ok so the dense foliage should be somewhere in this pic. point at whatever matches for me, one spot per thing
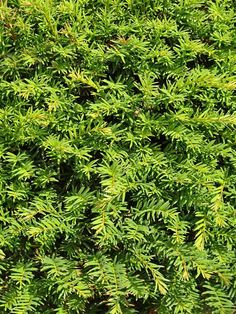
(117, 152)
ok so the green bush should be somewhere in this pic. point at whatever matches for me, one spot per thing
(117, 152)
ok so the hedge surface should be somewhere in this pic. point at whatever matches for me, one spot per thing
(117, 153)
